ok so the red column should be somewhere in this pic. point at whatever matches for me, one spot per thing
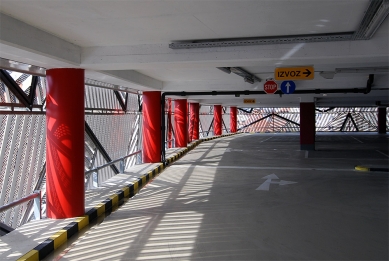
(65, 125)
(194, 121)
(151, 133)
(233, 119)
(181, 124)
(307, 126)
(382, 120)
(217, 119)
(169, 122)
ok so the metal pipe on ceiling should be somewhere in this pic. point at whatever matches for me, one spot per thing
(246, 92)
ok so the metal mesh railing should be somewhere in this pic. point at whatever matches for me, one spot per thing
(116, 123)
(22, 156)
(206, 121)
(363, 119)
(115, 120)
(119, 136)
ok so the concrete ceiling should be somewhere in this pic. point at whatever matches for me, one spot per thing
(127, 43)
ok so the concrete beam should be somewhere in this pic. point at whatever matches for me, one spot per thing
(27, 44)
(143, 82)
(24, 37)
(148, 55)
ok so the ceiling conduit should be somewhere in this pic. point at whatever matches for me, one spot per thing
(366, 90)
(375, 14)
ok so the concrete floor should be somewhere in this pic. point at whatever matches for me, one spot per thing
(31, 234)
(254, 197)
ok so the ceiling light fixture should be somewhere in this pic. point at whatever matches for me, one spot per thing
(225, 69)
(327, 75)
(232, 42)
(377, 19)
(247, 77)
(382, 69)
(248, 80)
(373, 18)
(375, 15)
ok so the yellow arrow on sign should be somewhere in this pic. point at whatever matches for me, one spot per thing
(294, 73)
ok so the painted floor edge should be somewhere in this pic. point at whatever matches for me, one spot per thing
(112, 202)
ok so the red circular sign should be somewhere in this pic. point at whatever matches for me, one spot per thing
(270, 87)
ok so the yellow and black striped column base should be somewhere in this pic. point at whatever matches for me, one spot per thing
(362, 168)
(106, 206)
(193, 145)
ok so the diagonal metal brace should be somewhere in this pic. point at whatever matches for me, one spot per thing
(100, 147)
(15, 89)
(285, 119)
(34, 84)
(120, 99)
(261, 119)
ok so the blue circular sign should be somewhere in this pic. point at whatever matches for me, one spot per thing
(288, 87)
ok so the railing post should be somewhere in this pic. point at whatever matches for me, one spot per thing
(139, 158)
(121, 167)
(97, 178)
(38, 205)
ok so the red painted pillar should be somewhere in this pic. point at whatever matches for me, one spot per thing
(181, 122)
(233, 119)
(382, 120)
(151, 133)
(169, 123)
(217, 119)
(194, 122)
(65, 125)
(307, 126)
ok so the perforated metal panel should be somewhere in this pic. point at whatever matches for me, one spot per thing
(99, 99)
(22, 155)
(2, 93)
(119, 136)
(347, 119)
(269, 120)
(327, 119)
(206, 121)
(23, 140)
(118, 128)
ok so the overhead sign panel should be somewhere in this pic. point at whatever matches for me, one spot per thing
(294, 73)
(270, 87)
(250, 101)
(288, 87)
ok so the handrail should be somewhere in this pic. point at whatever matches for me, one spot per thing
(33, 205)
(111, 162)
(36, 194)
(172, 145)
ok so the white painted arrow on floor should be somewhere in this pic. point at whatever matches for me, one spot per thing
(269, 180)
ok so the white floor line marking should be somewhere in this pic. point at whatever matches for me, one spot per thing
(356, 139)
(266, 168)
(382, 153)
(306, 154)
(266, 139)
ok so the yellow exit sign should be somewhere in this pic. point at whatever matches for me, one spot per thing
(294, 73)
(249, 101)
